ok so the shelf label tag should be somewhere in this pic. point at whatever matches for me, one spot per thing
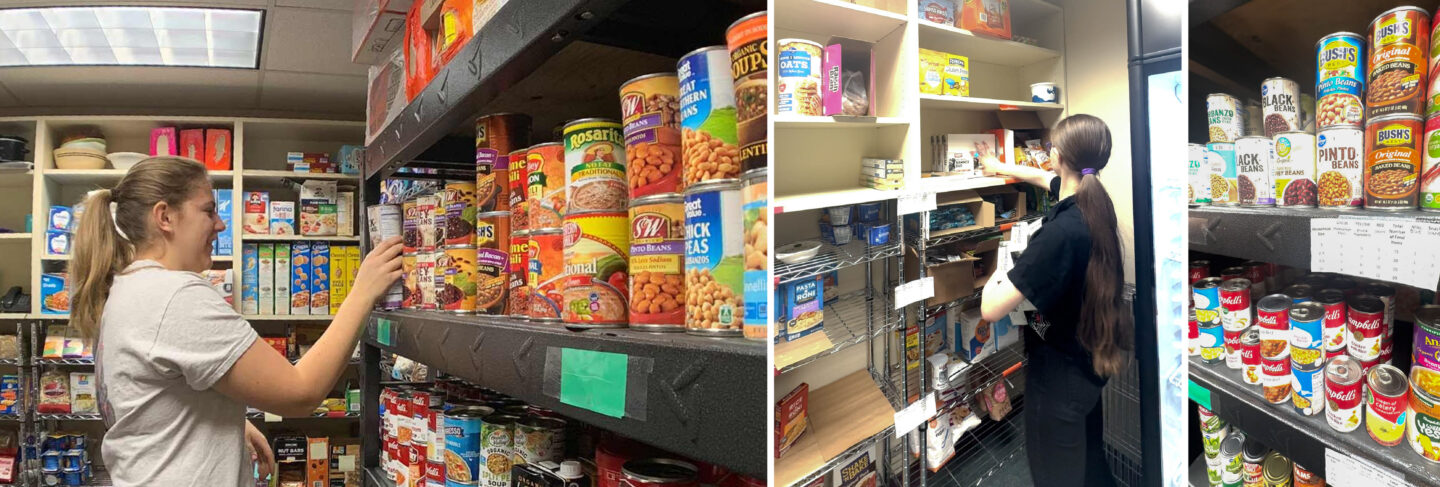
(914, 291)
(914, 415)
(1200, 395)
(915, 202)
(273, 418)
(1345, 470)
(594, 380)
(382, 332)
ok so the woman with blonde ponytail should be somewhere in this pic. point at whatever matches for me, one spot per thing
(1072, 272)
(176, 365)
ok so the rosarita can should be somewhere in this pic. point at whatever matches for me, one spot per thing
(595, 166)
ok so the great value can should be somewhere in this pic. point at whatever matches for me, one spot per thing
(1387, 393)
(748, 42)
(1430, 168)
(1212, 336)
(385, 222)
(545, 184)
(1366, 326)
(1272, 315)
(1392, 161)
(1340, 165)
(755, 205)
(595, 166)
(1295, 169)
(1339, 80)
(1227, 121)
(519, 271)
(1343, 393)
(1207, 293)
(1254, 166)
(1426, 351)
(497, 444)
(1307, 387)
(709, 137)
(1275, 380)
(597, 262)
(1223, 188)
(1333, 324)
(462, 446)
(714, 251)
(657, 263)
(649, 108)
(798, 91)
(1280, 102)
(1199, 191)
(1397, 75)
(546, 273)
(516, 192)
(1229, 458)
(1307, 345)
(1250, 355)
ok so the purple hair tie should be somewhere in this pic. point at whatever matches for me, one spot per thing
(1087, 171)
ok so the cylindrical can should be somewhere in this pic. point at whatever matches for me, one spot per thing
(649, 108)
(1339, 80)
(515, 191)
(430, 236)
(1232, 468)
(1192, 335)
(1307, 386)
(1366, 325)
(546, 273)
(1399, 40)
(1210, 423)
(1343, 391)
(707, 101)
(1333, 324)
(1227, 122)
(1235, 311)
(456, 267)
(749, 44)
(1250, 355)
(611, 455)
(545, 185)
(1306, 478)
(1277, 470)
(1307, 332)
(755, 206)
(492, 268)
(1254, 115)
(1223, 188)
(657, 263)
(539, 439)
(1426, 350)
(798, 91)
(1299, 293)
(659, 472)
(1423, 432)
(1232, 272)
(496, 137)
(519, 289)
(410, 283)
(1199, 269)
(1252, 461)
(1387, 392)
(1386, 293)
(1273, 317)
(1207, 293)
(1199, 191)
(1295, 169)
(1254, 165)
(385, 222)
(1212, 336)
(1392, 161)
(1280, 101)
(1340, 166)
(425, 272)
(1214, 469)
(462, 445)
(410, 226)
(459, 198)
(1430, 171)
(1275, 380)
(714, 251)
(497, 446)
(595, 166)
(597, 262)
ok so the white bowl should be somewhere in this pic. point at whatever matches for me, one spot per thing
(124, 160)
(798, 252)
(90, 143)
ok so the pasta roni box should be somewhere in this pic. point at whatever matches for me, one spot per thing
(339, 270)
(320, 278)
(300, 278)
(267, 278)
(250, 279)
(801, 304)
(282, 279)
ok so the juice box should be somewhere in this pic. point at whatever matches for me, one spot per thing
(257, 213)
(339, 271)
(225, 207)
(300, 278)
(320, 278)
(250, 279)
(282, 279)
(282, 218)
(267, 278)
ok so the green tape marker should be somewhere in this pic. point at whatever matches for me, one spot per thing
(1200, 395)
(382, 332)
(594, 380)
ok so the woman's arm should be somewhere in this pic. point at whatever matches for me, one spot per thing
(265, 380)
(1032, 175)
(999, 298)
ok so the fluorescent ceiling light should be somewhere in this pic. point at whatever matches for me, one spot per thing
(131, 36)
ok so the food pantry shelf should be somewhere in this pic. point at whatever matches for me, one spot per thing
(844, 416)
(68, 417)
(966, 103)
(1279, 235)
(64, 361)
(1199, 475)
(837, 18)
(979, 48)
(824, 199)
(256, 414)
(296, 238)
(375, 477)
(845, 326)
(991, 454)
(280, 175)
(835, 257)
(688, 376)
(836, 122)
(289, 317)
(1303, 439)
(108, 177)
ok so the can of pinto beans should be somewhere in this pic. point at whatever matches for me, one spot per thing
(1340, 166)
(649, 107)
(1339, 80)
(1392, 161)
(1399, 40)
(657, 263)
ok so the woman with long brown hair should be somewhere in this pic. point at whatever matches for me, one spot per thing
(1072, 272)
(176, 365)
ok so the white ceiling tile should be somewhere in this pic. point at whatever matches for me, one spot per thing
(306, 40)
(132, 38)
(71, 18)
(33, 39)
(123, 18)
(139, 55)
(313, 92)
(47, 55)
(235, 41)
(234, 20)
(92, 55)
(83, 38)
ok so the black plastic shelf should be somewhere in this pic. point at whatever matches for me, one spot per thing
(698, 394)
(1301, 438)
(251, 414)
(1198, 477)
(1279, 235)
(845, 323)
(834, 257)
(68, 417)
(375, 477)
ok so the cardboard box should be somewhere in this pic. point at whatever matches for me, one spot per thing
(317, 218)
(956, 79)
(82, 393)
(320, 278)
(791, 418)
(256, 219)
(376, 28)
(327, 191)
(291, 454)
(976, 338)
(420, 59)
(841, 55)
(280, 344)
(385, 94)
(300, 278)
(282, 218)
(225, 207)
(352, 254)
(250, 279)
(985, 17)
(317, 464)
(1008, 199)
(192, 144)
(267, 278)
(339, 271)
(218, 148)
(857, 470)
(223, 280)
(282, 279)
(932, 71)
(345, 214)
(163, 142)
(801, 307)
(340, 448)
(955, 280)
(350, 158)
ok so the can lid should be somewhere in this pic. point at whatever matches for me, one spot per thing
(1365, 303)
(542, 144)
(713, 185)
(1207, 283)
(1275, 302)
(1393, 116)
(1386, 380)
(791, 40)
(1357, 37)
(1276, 468)
(1330, 296)
(1378, 290)
(1298, 291)
(1343, 370)
(1226, 95)
(1236, 284)
(492, 214)
(660, 470)
(1278, 78)
(1253, 450)
(1306, 311)
(1231, 445)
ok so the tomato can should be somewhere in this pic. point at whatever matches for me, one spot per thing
(1365, 324)
(497, 445)
(1343, 393)
(597, 276)
(1397, 78)
(714, 251)
(519, 286)
(1273, 317)
(545, 185)
(1307, 386)
(1254, 167)
(1280, 102)
(657, 263)
(1252, 461)
(1224, 190)
(546, 272)
(1423, 430)
(1212, 336)
(595, 166)
(1275, 380)
(1207, 293)
(1199, 187)
(516, 193)
(1305, 478)
(1307, 343)
(1226, 117)
(1340, 76)
(462, 445)
(1295, 169)
(1250, 355)
(1392, 161)
(709, 140)
(659, 472)
(650, 106)
(749, 44)
(756, 216)
(1333, 324)
(1387, 393)
(1426, 350)
(1340, 166)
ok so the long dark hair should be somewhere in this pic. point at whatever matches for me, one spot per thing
(1106, 325)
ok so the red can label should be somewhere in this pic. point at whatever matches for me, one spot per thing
(1342, 405)
(1250, 362)
(1365, 331)
(1254, 474)
(1334, 328)
(1275, 379)
(1274, 333)
(1385, 416)
(435, 472)
(1198, 273)
(1232, 349)
(1387, 348)
(1236, 307)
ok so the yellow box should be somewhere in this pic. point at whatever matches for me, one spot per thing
(932, 71)
(956, 79)
(339, 277)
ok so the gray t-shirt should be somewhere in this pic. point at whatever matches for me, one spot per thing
(165, 338)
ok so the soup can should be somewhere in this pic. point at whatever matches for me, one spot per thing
(714, 251)
(492, 270)
(455, 270)
(1199, 269)
(1233, 355)
(1273, 317)
(1250, 356)
(1212, 336)
(1366, 326)
(1340, 165)
(597, 262)
(709, 142)
(1199, 191)
(1430, 170)
(1224, 190)
(546, 273)
(1333, 324)
(1305, 478)
(425, 272)
(1340, 80)
(1299, 293)
(1280, 102)
(518, 293)
(1423, 430)
(1253, 167)
(1295, 169)
(430, 233)
(1392, 161)
(410, 226)
(1252, 461)
(515, 191)
(1229, 458)
(1387, 393)
(1275, 379)
(545, 185)
(1307, 345)
(755, 205)
(1386, 294)
(1226, 118)
(749, 44)
(1192, 336)
(1207, 293)
(539, 439)
(1235, 304)
(1343, 393)
(595, 166)
(497, 446)
(1232, 272)
(410, 282)
(798, 91)
(650, 106)
(462, 445)
(1426, 351)
(1399, 40)
(458, 198)
(1307, 386)
(657, 263)
(659, 472)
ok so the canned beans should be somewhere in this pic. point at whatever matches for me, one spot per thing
(1254, 167)
(713, 250)
(1398, 62)
(1339, 162)
(757, 253)
(1227, 122)
(1393, 158)
(1430, 168)
(1339, 80)
(657, 263)
(707, 112)
(1280, 102)
(595, 166)
(1295, 169)
(650, 107)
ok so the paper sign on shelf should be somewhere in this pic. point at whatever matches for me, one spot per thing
(1343, 470)
(1388, 249)
(273, 418)
(914, 291)
(910, 418)
(915, 202)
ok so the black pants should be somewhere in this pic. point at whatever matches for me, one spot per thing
(1064, 423)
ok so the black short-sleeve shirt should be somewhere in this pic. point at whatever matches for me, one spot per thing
(1051, 274)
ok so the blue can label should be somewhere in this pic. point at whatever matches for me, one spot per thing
(1307, 334)
(1306, 383)
(707, 94)
(462, 451)
(714, 254)
(1208, 299)
(1212, 336)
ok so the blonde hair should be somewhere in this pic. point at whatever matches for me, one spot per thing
(102, 250)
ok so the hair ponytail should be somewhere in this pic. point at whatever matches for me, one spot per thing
(1106, 324)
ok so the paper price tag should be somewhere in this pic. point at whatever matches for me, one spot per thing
(1342, 470)
(914, 291)
(910, 418)
(915, 203)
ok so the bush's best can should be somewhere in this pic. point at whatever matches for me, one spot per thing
(714, 254)
(1392, 161)
(1199, 191)
(1295, 169)
(1280, 102)
(1220, 156)
(1339, 80)
(1227, 120)
(1254, 167)
(1340, 166)
(1397, 78)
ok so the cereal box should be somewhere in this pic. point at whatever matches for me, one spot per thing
(257, 213)
(352, 254)
(339, 271)
(320, 279)
(225, 207)
(345, 213)
(10, 395)
(282, 218)
(223, 280)
(282, 279)
(267, 278)
(319, 190)
(300, 278)
(250, 279)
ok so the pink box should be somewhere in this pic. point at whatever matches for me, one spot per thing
(164, 142)
(843, 54)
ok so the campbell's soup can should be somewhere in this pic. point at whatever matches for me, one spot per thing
(1199, 269)
(1273, 317)
(1307, 343)
(546, 273)
(748, 42)
(1280, 103)
(1224, 190)
(519, 273)
(1386, 294)
(1256, 272)
(1426, 351)
(1387, 394)
(1295, 169)
(1233, 357)
(1226, 117)
(1235, 304)
(1199, 176)
(1275, 380)
(1340, 73)
(1366, 327)
(515, 191)
(1232, 272)
(1250, 356)
(1254, 161)
(1207, 293)
(1397, 78)
(1212, 336)
(1394, 154)
(1340, 166)
(1299, 293)
(1333, 324)
(650, 112)
(1307, 386)
(1343, 393)
(714, 254)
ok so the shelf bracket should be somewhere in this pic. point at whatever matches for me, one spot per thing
(1269, 235)
(475, 352)
(519, 357)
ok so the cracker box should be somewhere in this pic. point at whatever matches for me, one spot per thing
(956, 79)
(352, 255)
(267, 278)
(257, 213)
(282, 218)
(250, 279)
(225, 207)
(192, 144)
(163, 142)
(339, 271)
(282, 279)
(217, 149)
(317, 461)
(317, 218)
(802, 304)
(300, 278)
(320, 278)
(985, 17)
(345, 213)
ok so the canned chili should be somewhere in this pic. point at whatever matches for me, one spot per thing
(1343, 391)
(595, 166)
(1207, 293)
(1398, 42)
(1275, 381)
(1333, 324)
(546, 273)
(1273, 318)
(1253, 168)
(1307, 387)
(1339, 80)
(1227, 122)
(1365, 323)
(1340, 166)
(1386, 399)
(545, 185)
(1392, 161)
(516, 192)
(1250, 355)
(1280, 102)
(518, 271)
(1295, 169)
(1426, 351)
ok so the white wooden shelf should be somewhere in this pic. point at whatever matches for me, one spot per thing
(278, 175)
(945, 184)
(817, 122)
(108, 176)
(295, 238)
(824, 18)
(825, 199)
(289, 317)
(965, 103)
(54, 257)
(981, 49)
(15, 237)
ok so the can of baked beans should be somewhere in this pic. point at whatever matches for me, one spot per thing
(1227, 120)
(748, 42)
(1212, 336)
(1430, 168)
(518, 294)
(597, 263)
(1339, 80)
(1333, 324)
(425, 272)
(1275, 381)
(649, 108)
(1366, 326)
(1340, 165)
(1273, 318)
(707, 102)
(545, 185)
(1199, 269)
(1307, 386)
(456, 276)
(515, 191)
(1399, 40)
(1207, 293)
(1306, 478)
(492, 266)
(1392, 161)
(1224, 190)
(1280, 102)
(1250, 355)
(1253, 167)
(1387, 394)
(546, 274)
(659, 472)
(657, 263)
(1199, 176)
(1295, 169)
(1343, 393)
(1307, 333)
(1232, 272)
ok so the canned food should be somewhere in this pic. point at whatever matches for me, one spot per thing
(1343, 393)
(539, 439)
(1233, 272)
(410, 284)
(1209, 422)
(707, 105)
(749, 44)
(1273, 317)
(458, 198)
(1366, 325)
(595, 166)
(546, 273)
(1299, 293)
(456, 269)
(1252, 462)
(545, 185)
(1340, 165)
(1214, 470)
(713, 255)
(1199, 190)
(385, 222)
(1392, 161)
(425, 272)
(755, 205)
(410, 226)
(597, 259)
(1207, 293)
(462, 445)
(1386, 294)
(1339, 80)
(519, 290)
(1192, 336)
(1397, 78)
(1333, 324)
(798, 92)
(1235, 304)
(1210, 441)
(1423, 432)
(1306, 478)
(1229, 458)
(1254, 122)
(1307, 386)
(1280, 102)
(1199, 269)
(425, 209)
(1426, 352)
(1250, 355)
(657, 263)
(497, 444)
(1227, 121)
(1386, 399)
(1277, 470)
(1430, 172)
(659, 472)
(1212, 336)
(1253, 167)
(1307, 333)
(497, 136)
(1224, 190)
(515, 191)
(1233, 355)
(1295, 169)
(649, 106)
(1275, 379)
